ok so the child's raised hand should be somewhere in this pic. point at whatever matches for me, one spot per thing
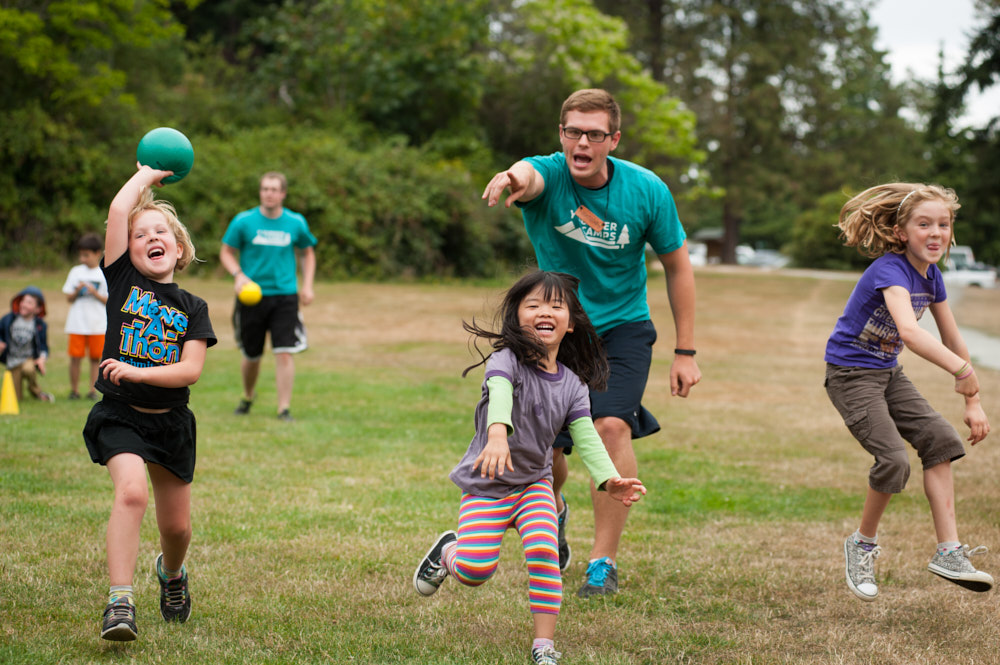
(626, 490)
(495, 456)
(152, 176)
(975, 418)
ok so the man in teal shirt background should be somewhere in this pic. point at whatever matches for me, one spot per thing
(262, 245)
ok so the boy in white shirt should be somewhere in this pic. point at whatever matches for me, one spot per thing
(87, 291)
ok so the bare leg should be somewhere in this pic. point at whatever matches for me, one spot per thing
(128, 473)
(173, 515)
(545, 625)
(95, 368)
(610, 515)
(875, 505)
(560, 472)
(250, 370)
(285, 374)
(74, 374)
(939, 486)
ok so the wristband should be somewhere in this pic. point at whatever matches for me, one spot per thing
(960, 373)
(966, 374)
(236, 273)
(684, 352)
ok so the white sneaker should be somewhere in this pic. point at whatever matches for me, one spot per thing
(859, 560)
(956, 567)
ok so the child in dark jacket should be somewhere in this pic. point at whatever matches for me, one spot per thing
(24, 342)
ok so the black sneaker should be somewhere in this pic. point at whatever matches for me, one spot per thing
(285, 415)
(565, 553)
(175, 599)
(431, 572)
(118, 624)
(244, 407)
(74, 395)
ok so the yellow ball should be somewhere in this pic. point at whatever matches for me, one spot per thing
(250, 293)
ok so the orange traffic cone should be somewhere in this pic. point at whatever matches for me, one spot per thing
(8, 398)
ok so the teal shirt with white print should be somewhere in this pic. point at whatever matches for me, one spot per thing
(267, 248)
(607, 255)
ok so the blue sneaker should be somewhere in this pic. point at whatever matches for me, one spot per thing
(602, 579)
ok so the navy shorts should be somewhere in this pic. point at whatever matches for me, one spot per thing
(168, 439)
(629, 348)
(278, 315)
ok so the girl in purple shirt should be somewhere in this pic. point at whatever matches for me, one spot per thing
(909, 228)
(545, 356)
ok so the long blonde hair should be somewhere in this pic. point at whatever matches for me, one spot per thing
(148, 201)
(868, 221)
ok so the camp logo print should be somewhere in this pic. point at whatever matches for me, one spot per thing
(586, 227)
(152, 336)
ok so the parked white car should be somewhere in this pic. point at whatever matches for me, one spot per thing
(962, 269)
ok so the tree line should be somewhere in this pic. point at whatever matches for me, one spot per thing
(388, 117)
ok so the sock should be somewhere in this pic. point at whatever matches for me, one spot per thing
(121, 591)
(444, 556)
(948, 547)
(169, 574)
(542, 642)
(858, 538)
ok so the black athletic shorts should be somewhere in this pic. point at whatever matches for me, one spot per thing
(629, 348)
(278, 315)
(167, 439)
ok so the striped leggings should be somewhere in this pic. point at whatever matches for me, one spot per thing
(482, 522)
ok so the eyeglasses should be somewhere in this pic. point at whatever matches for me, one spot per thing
(594, 135)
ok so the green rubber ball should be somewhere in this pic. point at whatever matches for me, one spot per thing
(166, 149)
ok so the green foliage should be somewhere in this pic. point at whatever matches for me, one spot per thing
(385, 210)
(815, 239)
(967, 159)
(784, 119)
(547, 49)
(408, 67)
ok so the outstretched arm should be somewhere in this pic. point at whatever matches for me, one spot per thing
(684, 372)
(524, 182)
(587, 442)
(116, 234)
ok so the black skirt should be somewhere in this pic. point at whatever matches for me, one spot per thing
(167, 439)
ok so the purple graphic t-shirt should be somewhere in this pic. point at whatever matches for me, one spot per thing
(543, 404)
(866, 334)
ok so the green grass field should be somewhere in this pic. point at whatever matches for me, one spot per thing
(307, 534)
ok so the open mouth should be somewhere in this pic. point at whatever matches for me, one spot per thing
(582, 161)
(545, 327)
(155, 253)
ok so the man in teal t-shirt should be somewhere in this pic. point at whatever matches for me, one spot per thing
(261, 245)
(591, 215)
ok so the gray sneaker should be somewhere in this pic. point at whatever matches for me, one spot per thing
(602, 579)
(565, 553)
(859, 561)
(431, 572)
(956, 567)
